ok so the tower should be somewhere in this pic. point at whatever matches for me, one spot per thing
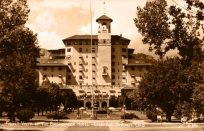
(104, 50)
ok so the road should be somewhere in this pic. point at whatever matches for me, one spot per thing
(105, 125)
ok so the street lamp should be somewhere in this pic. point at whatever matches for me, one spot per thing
(124, 111)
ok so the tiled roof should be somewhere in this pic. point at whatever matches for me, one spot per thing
(51, 64)
(104, 17)
(94, 37)
(139, 64)
(81, 37)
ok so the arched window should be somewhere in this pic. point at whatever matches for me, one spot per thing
(104, 26)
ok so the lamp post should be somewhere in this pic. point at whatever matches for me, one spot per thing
(124, 111)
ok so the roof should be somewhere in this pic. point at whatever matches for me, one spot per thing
(51, 64)
(94, 37)
(104, 17)
(81, 37)
(129, 88)
(139, 64)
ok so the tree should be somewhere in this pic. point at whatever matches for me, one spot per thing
(18, 55)
(169, 83)
(165, 28)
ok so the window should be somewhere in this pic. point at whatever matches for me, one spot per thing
(113, 83)
(87, 50)
(59, 68)
(113, 70)
(52, 69)
(123, 49)
(133, 68)
(113, 49)
(104, 26)
(80, 49)
(113, 56)
(69, 77)
(80, 77)
(113, 63)
(44, 68)
(44, 76)
(93, 50)
(113, 76)
(105, 69)
(104, 41)
(80, 43)
(68, 49)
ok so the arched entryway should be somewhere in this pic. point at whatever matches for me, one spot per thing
(104, 104)
(88, 105)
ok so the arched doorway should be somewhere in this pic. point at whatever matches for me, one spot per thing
(104, 104)
(88, 105)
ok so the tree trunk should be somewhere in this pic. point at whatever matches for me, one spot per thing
(168, 117)
(42, 112)
(11, 116)
(38, 111)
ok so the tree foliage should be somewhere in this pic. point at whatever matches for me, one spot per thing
(18, 53)
(168, 83)
(165, 28)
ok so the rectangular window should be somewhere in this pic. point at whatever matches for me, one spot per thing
(69, 77)
(123, 49)
(133, 68)
(59, 68)
(80, 49)
(113, 76)
(113, 56)
(68, 49)
(44, 68)
(68, 43)
(93, 50)
(80, 77)
(113, 70)
(113, 83)
(113, 49)
(80, 43)
(113, 63)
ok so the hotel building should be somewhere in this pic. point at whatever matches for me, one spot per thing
(99, 64)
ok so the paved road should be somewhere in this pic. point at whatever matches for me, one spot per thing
(105, 125)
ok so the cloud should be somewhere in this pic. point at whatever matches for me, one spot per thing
(45, 20)
(50, 40)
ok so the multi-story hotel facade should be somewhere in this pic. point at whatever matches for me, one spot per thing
(100, 65)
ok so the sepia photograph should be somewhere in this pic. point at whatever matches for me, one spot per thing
(105, 65)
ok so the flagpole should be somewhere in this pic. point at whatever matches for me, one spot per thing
(92, 103)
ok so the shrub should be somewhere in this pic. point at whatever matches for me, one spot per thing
(129, 116)
(101, 112)
(57, 115)
(152, 115)
(25, 114)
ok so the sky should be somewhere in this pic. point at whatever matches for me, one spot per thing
(54, 20)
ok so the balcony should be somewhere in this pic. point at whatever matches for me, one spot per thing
(123, 74)
(124, 61)
(80, 56)
(94, 55)
(81, 68)
(133, 81)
